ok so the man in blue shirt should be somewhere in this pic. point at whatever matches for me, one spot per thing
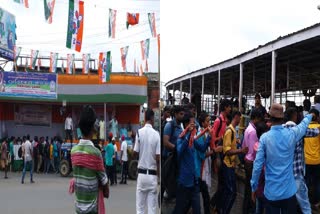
(188, 190)
(276, 151)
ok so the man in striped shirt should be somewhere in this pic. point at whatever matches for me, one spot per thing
(88, 168)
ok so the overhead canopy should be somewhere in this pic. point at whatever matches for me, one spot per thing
(297, 61)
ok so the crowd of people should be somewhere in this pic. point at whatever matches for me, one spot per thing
(278, 150)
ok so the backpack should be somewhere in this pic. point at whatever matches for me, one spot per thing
(20, 152)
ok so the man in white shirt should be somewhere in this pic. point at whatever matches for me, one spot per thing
(147, 145)
(27, 154)
(124, 160)
(102, 131)
(68, 126)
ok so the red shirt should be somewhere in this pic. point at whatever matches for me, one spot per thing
(215, 129)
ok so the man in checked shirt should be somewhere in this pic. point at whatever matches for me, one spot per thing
(299, 163)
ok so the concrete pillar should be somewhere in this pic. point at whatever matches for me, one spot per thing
(240, 85)
(273, 77)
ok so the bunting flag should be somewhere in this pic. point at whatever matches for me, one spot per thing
(147, 67)
(26, 66)
(62, 67)
(48, 10)
(141, 70)
(105, 67)
(17, 51)
(34, 56)
(159, 44)
(152, 24)
(53, 62)
(25, 2)
(70, 60)
(124, 52)
(85, 63)
(75, 25)
(112, 23)
(135, 66)
(145, 48)
(132, 19)
(39, 63)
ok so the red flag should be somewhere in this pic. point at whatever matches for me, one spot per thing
(147, 67)
(132, 19)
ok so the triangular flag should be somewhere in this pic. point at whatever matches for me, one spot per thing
(85, 63)
(105, 67)
(39, 63)
(53, 62)
(75, 25)
(48, 10)
(70, 63)
(124, 52)
(132, 19)
(25, 2)
(145, 44)
(62, 66)
(34, 56)
(147, 67)
(141, 70)
(112, 23)
(135, 66)
(17, 51)
(152, 24)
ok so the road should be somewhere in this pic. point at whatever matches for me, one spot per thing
(49, 195)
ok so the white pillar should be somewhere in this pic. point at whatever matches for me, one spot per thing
(202, 93)
(240, 86)
(190, 89)
(273, 77)
(218, 92)
(180, 92)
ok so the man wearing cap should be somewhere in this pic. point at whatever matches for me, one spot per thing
(276, 152)
(124, 160)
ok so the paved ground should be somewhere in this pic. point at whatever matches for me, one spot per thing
(50, 195)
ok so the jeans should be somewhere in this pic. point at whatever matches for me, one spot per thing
(285, 206)
(56, 163)
(187, 196)
(230, 188)
(216, 200)
(205, 196)
(27, 164)
(313, 181)
(124, 171)
(248, 205)
(115, 179)
(260, 205)
(302, 195)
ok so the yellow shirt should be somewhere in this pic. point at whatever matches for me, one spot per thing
(228, 144)
(312, 147)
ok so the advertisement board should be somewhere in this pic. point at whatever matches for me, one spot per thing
(34, 85)
(7, 34)
(33, 115)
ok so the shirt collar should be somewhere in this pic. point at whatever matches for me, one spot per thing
(252, 124)
(277, 127)
(222, 117)
(148, 125)
(84, 142)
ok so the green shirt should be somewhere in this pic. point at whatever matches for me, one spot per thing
(11, 148)
(87, 180)
(109, 154)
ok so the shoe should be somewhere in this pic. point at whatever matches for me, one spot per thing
(5, 177)
(121, 182)
(32, 181)
(22, 182)
(125, 182)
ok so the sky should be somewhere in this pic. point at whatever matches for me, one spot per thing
(197, 34)
(34, 33)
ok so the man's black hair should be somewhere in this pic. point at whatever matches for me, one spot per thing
(288, 114)
(306, 105)
(177, 108)
(149, 114)
(276, 120)
(316, 112)
(235, 113)
(190, 106)
(261, 128)
(28, 137)
(256, 114)
(202, 117)
(186, 118)
(87, 119)
(224, 104)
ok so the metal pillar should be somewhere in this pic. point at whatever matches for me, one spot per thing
(273, 77)
(202, 93)
(240, 86)
(190, 89)
(218, 92)
(173, 102)
(180, 92)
